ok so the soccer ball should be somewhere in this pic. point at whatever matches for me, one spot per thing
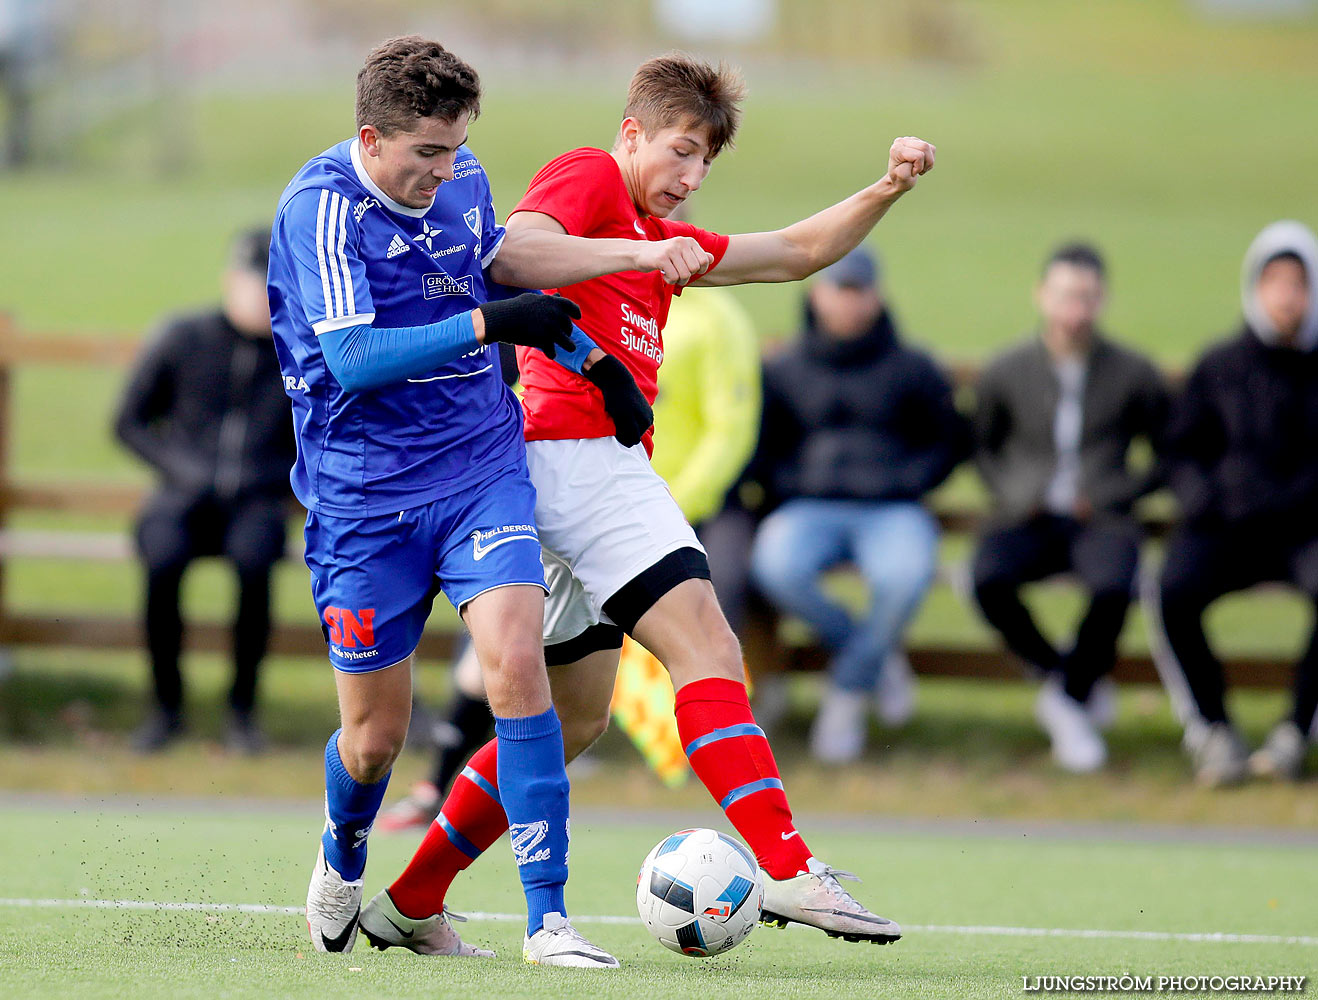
(700, 892)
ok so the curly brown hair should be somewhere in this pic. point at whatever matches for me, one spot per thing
(679, 89)
(409, 78)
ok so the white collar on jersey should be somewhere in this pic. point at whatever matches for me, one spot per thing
(374, 188)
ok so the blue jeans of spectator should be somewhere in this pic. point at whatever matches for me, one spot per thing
(894, 545)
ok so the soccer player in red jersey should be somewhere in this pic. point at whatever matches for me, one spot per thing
(619, 556)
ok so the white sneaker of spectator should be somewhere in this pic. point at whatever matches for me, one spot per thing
(840, 726)
(1101, 706)
(1077, 746)
(894, 696)
(1282, 754)
(1219, 755)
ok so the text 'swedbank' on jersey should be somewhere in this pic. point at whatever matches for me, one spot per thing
(343, 254)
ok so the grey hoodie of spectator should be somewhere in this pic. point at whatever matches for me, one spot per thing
(1287, 236)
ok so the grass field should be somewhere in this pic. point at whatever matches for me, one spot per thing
(981, 910)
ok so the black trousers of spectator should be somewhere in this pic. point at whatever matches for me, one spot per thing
(1103, 553)
(174, 531)
(1200, 567)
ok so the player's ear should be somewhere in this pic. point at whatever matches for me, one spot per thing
(630, 133)
(369, 137)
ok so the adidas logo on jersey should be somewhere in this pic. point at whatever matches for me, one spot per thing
(396, 246)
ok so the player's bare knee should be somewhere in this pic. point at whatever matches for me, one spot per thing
(370, 756)
(580, 734)
(516, 660)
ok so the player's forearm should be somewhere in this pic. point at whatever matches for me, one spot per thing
(826, 237)
(364, 357)
(536, 258)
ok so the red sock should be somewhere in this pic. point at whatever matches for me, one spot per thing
(470, 821)
(730, 755)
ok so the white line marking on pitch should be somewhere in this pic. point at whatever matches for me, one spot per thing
(988, 931)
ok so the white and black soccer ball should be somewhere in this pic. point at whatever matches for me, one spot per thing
(700, 892)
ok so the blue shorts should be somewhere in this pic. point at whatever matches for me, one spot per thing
(374, 579)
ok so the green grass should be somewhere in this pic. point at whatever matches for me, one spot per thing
(930, 879)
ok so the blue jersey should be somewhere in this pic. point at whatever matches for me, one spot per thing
(342, 253)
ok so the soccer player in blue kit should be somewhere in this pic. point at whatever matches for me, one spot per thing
(411, 461)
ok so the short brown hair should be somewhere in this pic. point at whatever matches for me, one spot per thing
(410, 78)
(676, 88)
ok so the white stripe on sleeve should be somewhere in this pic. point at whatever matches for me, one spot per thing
(320, 255)
(331, 252)
(350, 297)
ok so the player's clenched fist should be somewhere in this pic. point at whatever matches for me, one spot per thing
(531, 319)
(908, 159)
(677, 260)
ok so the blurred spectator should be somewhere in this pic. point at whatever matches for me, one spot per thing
(205, 407)
(1244, 450)
(1055, 420)
(22, 39)
(857, 429)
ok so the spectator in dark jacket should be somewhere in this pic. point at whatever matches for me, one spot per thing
(1056, 417)
(205, 408)
(1244, 447)
(857, 429)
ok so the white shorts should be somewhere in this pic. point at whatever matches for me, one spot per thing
(604, 517)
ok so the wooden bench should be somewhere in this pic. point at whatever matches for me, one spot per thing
(763, 639)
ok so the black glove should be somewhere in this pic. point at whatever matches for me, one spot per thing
(532, 320)
(623, 400)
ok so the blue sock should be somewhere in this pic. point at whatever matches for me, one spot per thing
(534, 789)
(350, 808)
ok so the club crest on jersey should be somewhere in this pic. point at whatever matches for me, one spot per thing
(483, 542)
(436, 285)
(526, 837)
(473, 221)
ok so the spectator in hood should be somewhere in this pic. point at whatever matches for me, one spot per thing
(205, 408)
(1056, 417)
(1243, 447)
(857, 429)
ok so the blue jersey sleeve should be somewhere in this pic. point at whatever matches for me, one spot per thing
(491, 231)
(322, 239)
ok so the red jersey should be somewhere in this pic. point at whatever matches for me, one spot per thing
(623, 313)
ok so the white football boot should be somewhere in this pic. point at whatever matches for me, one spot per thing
(385, 928)
(559, 943)
(333, 907)
(816, 898)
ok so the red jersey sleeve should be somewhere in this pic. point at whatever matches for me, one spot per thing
(572, 189)
(714, 244)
